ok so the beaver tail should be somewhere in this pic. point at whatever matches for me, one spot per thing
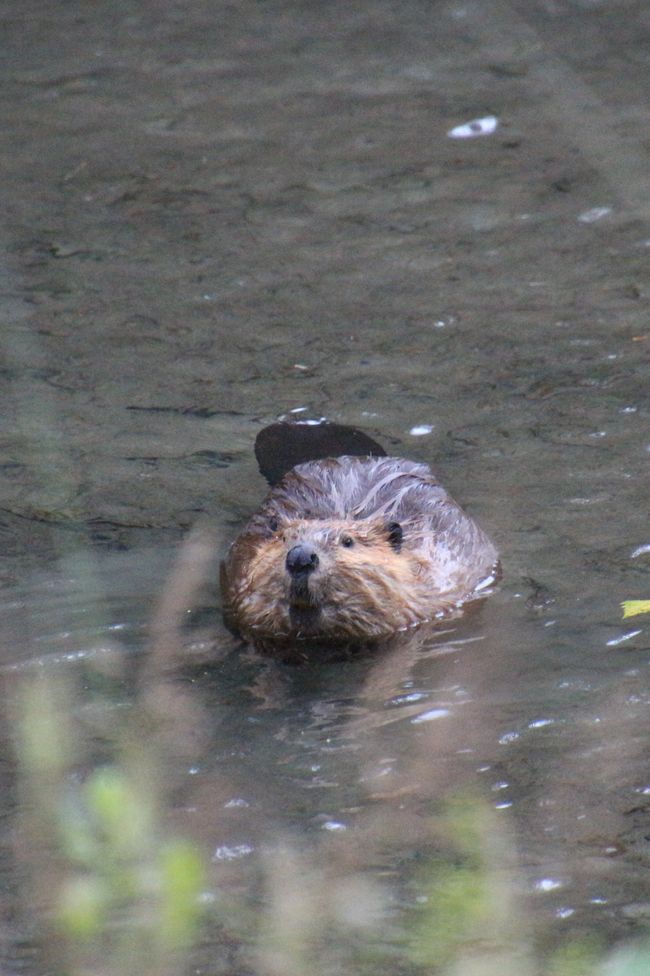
(280, 447)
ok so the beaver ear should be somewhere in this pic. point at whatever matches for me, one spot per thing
(395, 535)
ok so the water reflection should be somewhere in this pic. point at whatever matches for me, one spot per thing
(366, 752)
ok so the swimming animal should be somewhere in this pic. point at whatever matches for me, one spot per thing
(350, 546)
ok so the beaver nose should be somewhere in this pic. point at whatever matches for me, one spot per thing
(302, 559)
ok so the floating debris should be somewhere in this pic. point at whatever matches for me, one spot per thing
(547, 884)
(226, 853)
(430, 716)
(477, 127)
(632, 608)
(540, 723)
(333, 825)
(640, 551)
(615, 641)
(596, 213)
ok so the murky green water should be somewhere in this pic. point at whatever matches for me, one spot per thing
(217, 214)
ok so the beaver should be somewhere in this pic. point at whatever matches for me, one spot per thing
(350, 546)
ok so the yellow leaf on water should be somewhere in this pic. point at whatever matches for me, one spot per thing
(633, 607)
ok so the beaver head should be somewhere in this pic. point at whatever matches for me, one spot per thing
(352, 550)
(340, 580)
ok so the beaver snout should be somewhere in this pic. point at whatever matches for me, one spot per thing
(302, 559)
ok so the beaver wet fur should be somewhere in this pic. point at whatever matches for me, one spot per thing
(349, 549)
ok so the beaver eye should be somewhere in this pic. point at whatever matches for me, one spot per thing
(395, 535)
(347, 541)
(274, 525)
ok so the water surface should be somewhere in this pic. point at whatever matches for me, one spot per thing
(220, 214)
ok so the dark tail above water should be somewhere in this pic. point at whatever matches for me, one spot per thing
(280, 447)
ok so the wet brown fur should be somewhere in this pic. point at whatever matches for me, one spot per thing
(365, 591)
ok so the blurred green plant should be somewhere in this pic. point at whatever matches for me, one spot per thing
(628, 961)
(472, 921)
(119, 895)
(469, 917)
(104, 872)
(579, 957)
